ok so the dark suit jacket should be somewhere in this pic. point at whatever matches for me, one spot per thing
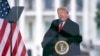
(69, 32)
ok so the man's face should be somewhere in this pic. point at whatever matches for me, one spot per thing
(62, 14)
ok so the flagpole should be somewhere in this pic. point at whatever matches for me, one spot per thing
(11, 37)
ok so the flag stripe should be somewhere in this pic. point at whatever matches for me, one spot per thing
(23, 52)
(5, 36)
(7, 41)
(15, 36)
(7, 45)
(17, 44)
(20, 48)
(1, 23)
(8, 53)
(2, 30)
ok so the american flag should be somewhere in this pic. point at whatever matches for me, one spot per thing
(18, 47)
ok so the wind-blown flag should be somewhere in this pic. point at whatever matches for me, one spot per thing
(18, 47)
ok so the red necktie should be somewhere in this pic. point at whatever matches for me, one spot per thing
(60, 26)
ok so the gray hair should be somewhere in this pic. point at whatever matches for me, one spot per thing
(62, 8)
